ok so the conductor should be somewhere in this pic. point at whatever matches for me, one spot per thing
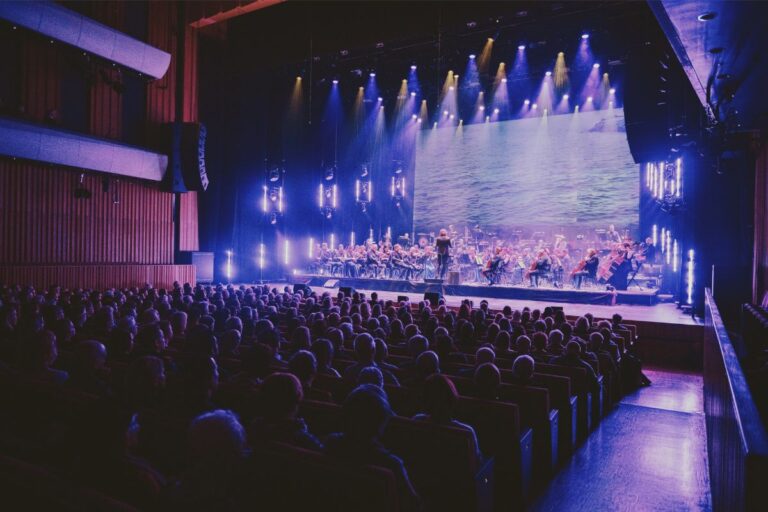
(442, 247)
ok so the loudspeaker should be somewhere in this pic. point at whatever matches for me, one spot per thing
(348, 291)
(433, 298)
(403, 298)
(646, 103)
(186, 166)
(203, 262)
(301, 288)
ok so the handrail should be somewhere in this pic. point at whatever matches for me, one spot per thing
(753, 433)
(737, 441)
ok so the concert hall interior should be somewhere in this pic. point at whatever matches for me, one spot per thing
(383, 255)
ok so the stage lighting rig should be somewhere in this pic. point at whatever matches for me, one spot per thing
(397, 183)
(364, 187)
(327, 198)
(664, 181)
(272, 205)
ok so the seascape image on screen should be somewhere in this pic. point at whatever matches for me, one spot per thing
(570, 171)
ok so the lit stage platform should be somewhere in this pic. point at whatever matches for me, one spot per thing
(568, 295)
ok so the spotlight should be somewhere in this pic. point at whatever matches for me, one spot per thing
(335, 82)
(413, 67)
(298, 78)
(372, 75)
(521, 47)
(344, 53)
(481, 108)
(504, 80)
(612, 90)
(585, 36)
(548, 73)
(496, 111)
(527, 102)
(490, 39)
(565, 96)
(445, 112)
(380, 98)
(414, 116)
(471, 55)
(535, 106)
(596, 65)
(450, 88)
(379, 45)
(589, 99)
(413, 94)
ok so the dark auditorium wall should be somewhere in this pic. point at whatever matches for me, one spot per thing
(126, 223)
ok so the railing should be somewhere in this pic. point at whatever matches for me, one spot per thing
(736, 438)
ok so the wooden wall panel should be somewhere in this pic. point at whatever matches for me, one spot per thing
(97, 276)
(188, 225)
(41, 222)
(106, 105)
(41, 78)
(760, 257)
(161, 33)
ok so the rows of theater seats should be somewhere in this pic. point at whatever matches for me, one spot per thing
(524, 436)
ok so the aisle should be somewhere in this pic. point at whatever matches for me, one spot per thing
(649, 454)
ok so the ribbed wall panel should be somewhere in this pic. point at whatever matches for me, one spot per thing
(106, 102)
(161, 33)
(190, 75)
(41, 79)
(188, 229)
(97, 276)
(41, 222)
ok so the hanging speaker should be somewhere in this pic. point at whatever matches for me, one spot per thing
(646, 104)
(186, 148)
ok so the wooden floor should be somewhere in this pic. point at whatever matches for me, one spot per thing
(666, 313)
(649, 453)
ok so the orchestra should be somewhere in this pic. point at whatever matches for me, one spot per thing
(609, 260)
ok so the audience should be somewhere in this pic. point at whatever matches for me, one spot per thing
(366, 413)
(156, 363)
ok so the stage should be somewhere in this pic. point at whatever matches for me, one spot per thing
(595, 295)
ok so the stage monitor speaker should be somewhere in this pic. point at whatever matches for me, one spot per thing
(433, 298)
(403, 298)
(348, 291)
(647, 98)
(301, 288)
(203, 262)
(433, 281)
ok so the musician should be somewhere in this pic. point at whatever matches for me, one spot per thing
(541, 265)
(648, 251)
(492, 266)
(400, 261)
(612, 235)
(586, 268)
(443, 249)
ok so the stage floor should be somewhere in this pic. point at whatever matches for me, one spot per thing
(663, 313)
(587, 295)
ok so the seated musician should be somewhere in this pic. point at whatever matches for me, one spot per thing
(372, 260)
(492, 267)
(588, 268)
(541, 265)
(401, 261)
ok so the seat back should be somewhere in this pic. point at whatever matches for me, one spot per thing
(291, 478)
